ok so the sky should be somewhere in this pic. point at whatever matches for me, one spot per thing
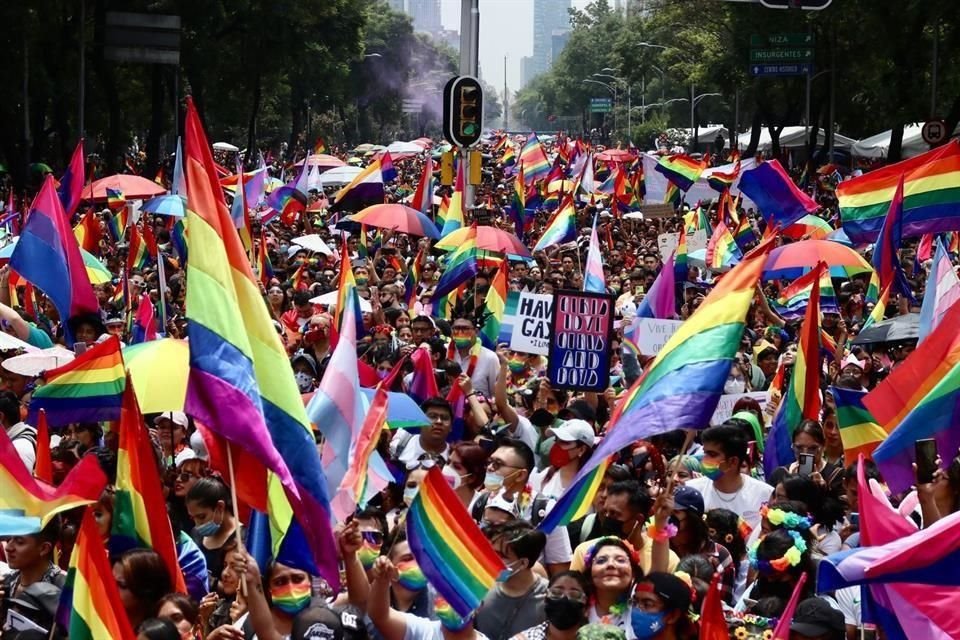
(506, 28)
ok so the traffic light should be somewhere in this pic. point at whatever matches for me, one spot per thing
(463, 111)
(809, 5)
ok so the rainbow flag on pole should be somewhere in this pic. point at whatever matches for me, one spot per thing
(681, 170)
(452, 552)
(859, 431)
(683, 385)
(495, 304)
(793, 300)
(802, 398)
(534, 160)
(561, 228)
(722, 249)
(89, 388)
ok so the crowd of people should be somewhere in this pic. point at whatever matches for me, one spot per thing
(671, 511)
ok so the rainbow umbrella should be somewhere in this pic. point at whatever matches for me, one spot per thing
(809, 226)
(166, 205)
(397, 217)
(159, 371)
(791, 261)
(489, 239)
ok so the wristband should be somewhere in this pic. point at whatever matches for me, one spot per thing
(660, 535)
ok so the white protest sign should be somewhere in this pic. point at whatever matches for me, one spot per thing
(652, 334)
(697, 240)
(725, 406)
(667, 243)
(531, 324)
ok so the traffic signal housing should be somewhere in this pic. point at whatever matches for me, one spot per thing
(463, 111)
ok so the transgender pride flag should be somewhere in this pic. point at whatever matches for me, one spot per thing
(943, 289)
(593, 279)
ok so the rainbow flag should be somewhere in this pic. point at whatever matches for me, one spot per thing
(178, 238)
(347, 296)
(793, 300)
(240, 383)
(859, 431)
(144, 322)
(942, 291)
(452, 552)
(722, 180)
(71, 184)
(412, 281)
(518, 209)
(86, 389)
(561, 228)
(90, 605)
(297, 280)
(509, 156)
(802, 398)
(722, 249)
(495, 305)
(683, 385)
(931, 195)
(319, 147)
(354, 490)
(461, 266)
(673, 195)
(534, 160)
(88, 233)
(115, 199)
(264, 267)
(423, 197)
(574, 505)
(48, 256)
(681, 170)
(453, 217)
(117, 225)
(879, 309)
(885, 259)
(593, 278)
(138, 255)
(139, 508)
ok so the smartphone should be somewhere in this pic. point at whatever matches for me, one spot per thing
(854, 519)
(805, 464)
(79, 347)
(926, 453)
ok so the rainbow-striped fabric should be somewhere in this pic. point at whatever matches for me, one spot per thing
(495, 304)
(534, 159)
(561, 228)
(793, 300)
(681, 170)
(859, 431)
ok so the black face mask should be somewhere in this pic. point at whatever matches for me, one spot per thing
(564, 613)
(611, 527)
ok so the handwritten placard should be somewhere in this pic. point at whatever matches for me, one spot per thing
(579, 355)
(652, 334)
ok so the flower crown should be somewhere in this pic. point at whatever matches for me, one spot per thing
(791, 558)
(786, 519)
(631, 552)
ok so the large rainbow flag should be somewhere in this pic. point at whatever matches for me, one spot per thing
(86, 389)
(683, 385)
(942, 291)
(802, 399)
(722, 249)
(886, 257)
(139, 508)
(452, 552)
(681, 170)
(931, 195)
(240, 384)
(534, 160)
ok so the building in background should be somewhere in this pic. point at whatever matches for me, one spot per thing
(425, 15)
(629, 8)
(396, 5)
(558, 41)
(549, 16)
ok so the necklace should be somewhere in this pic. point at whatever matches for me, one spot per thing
(720, 495)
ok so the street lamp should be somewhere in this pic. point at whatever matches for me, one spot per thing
(622, 81)
(612, 90)
(694, 101)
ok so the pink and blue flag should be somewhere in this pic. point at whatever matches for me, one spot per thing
(942, 291)
(780, 201)
(71, 184)
(144, 322)
(48, 256)
(661, 300)
(387, 171)
(593, 279)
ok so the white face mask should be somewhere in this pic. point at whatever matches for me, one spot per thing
(304, 381)
(409, 493)
(735, 385)
(454, 479)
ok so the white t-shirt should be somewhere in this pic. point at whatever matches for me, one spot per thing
(484, 377)
(525, 432)
(412, 450)
(422, 629)
(745, 503)
(848, 602)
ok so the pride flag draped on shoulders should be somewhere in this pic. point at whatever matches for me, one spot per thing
(240, 384)
(683, 385)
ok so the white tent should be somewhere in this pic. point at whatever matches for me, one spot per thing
(793, 138)
(340, 176)
(707, 133)
(878, 145)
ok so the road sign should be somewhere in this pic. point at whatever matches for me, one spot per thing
(601, 105)
(782, 40)
(781, 69)
(412, 105)
(781, 55)
(934, 132)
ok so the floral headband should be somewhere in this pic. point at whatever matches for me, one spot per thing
(791, 558)
(612, 541)
(786, 519)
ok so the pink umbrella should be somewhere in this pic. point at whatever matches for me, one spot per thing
(323, 161)
(132, 187)
(616, 155)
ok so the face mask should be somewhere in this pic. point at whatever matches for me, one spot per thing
(284, 248)
(291, 598)
(559, 456)
(368, 554)
(463, 342)
(409, 493)
(516, 365)
(448, 617)
(304, 381)
(734, 385)
(508, 572)
(611, 527)
(411, 577)
(645, 625)
(492, 481)
(711, 470)
(454, 479)
(361, 281)
(383, 373)
(208, 528)
(564, 613)
(546, 446)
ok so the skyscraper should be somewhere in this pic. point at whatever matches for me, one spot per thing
(425, 14)
(548, 16)
(396, 5)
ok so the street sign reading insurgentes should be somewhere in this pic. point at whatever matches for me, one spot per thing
(781, 55)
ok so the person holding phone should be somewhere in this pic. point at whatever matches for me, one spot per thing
(809, 443)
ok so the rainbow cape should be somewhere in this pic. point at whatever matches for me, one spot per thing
(452, 552)
(802, 399)
(859, 431)
(683, 385)
(931, 195)
(681, 170)
(87, 389)
(240, 383)
(140, 510)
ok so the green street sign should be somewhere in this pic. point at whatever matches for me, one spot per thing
(601, 105)
(782, 40)
(781, 55)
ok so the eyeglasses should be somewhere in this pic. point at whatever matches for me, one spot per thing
(496, 465)
(372, 537)
(556, 593)
(810, 448)
(438, 417)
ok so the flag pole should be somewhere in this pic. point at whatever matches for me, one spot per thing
(236, 511)
(162, 285)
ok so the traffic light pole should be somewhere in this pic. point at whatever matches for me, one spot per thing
(469, 66)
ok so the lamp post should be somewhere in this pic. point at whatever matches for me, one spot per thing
(612, 90)
(694, 101)
(623, 82)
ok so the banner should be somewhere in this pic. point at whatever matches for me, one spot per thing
(652, 334)
(579, 355)
(725, 406)
(667, 242)
(526, 322)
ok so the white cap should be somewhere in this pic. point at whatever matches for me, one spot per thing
(176, 417)
(498, 501)
(198, 445)
(850, 359)
(575, 430)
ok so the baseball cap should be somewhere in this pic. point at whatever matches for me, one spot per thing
(578, 409)
(499, 501)
(672, 590)
(575, 430)
(177, 417)
(688, 499)
(305, 357)
(317, 623)
(815, 617)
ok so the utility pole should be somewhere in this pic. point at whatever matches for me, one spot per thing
(506, 97)
(83, 83)
(469, 66)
